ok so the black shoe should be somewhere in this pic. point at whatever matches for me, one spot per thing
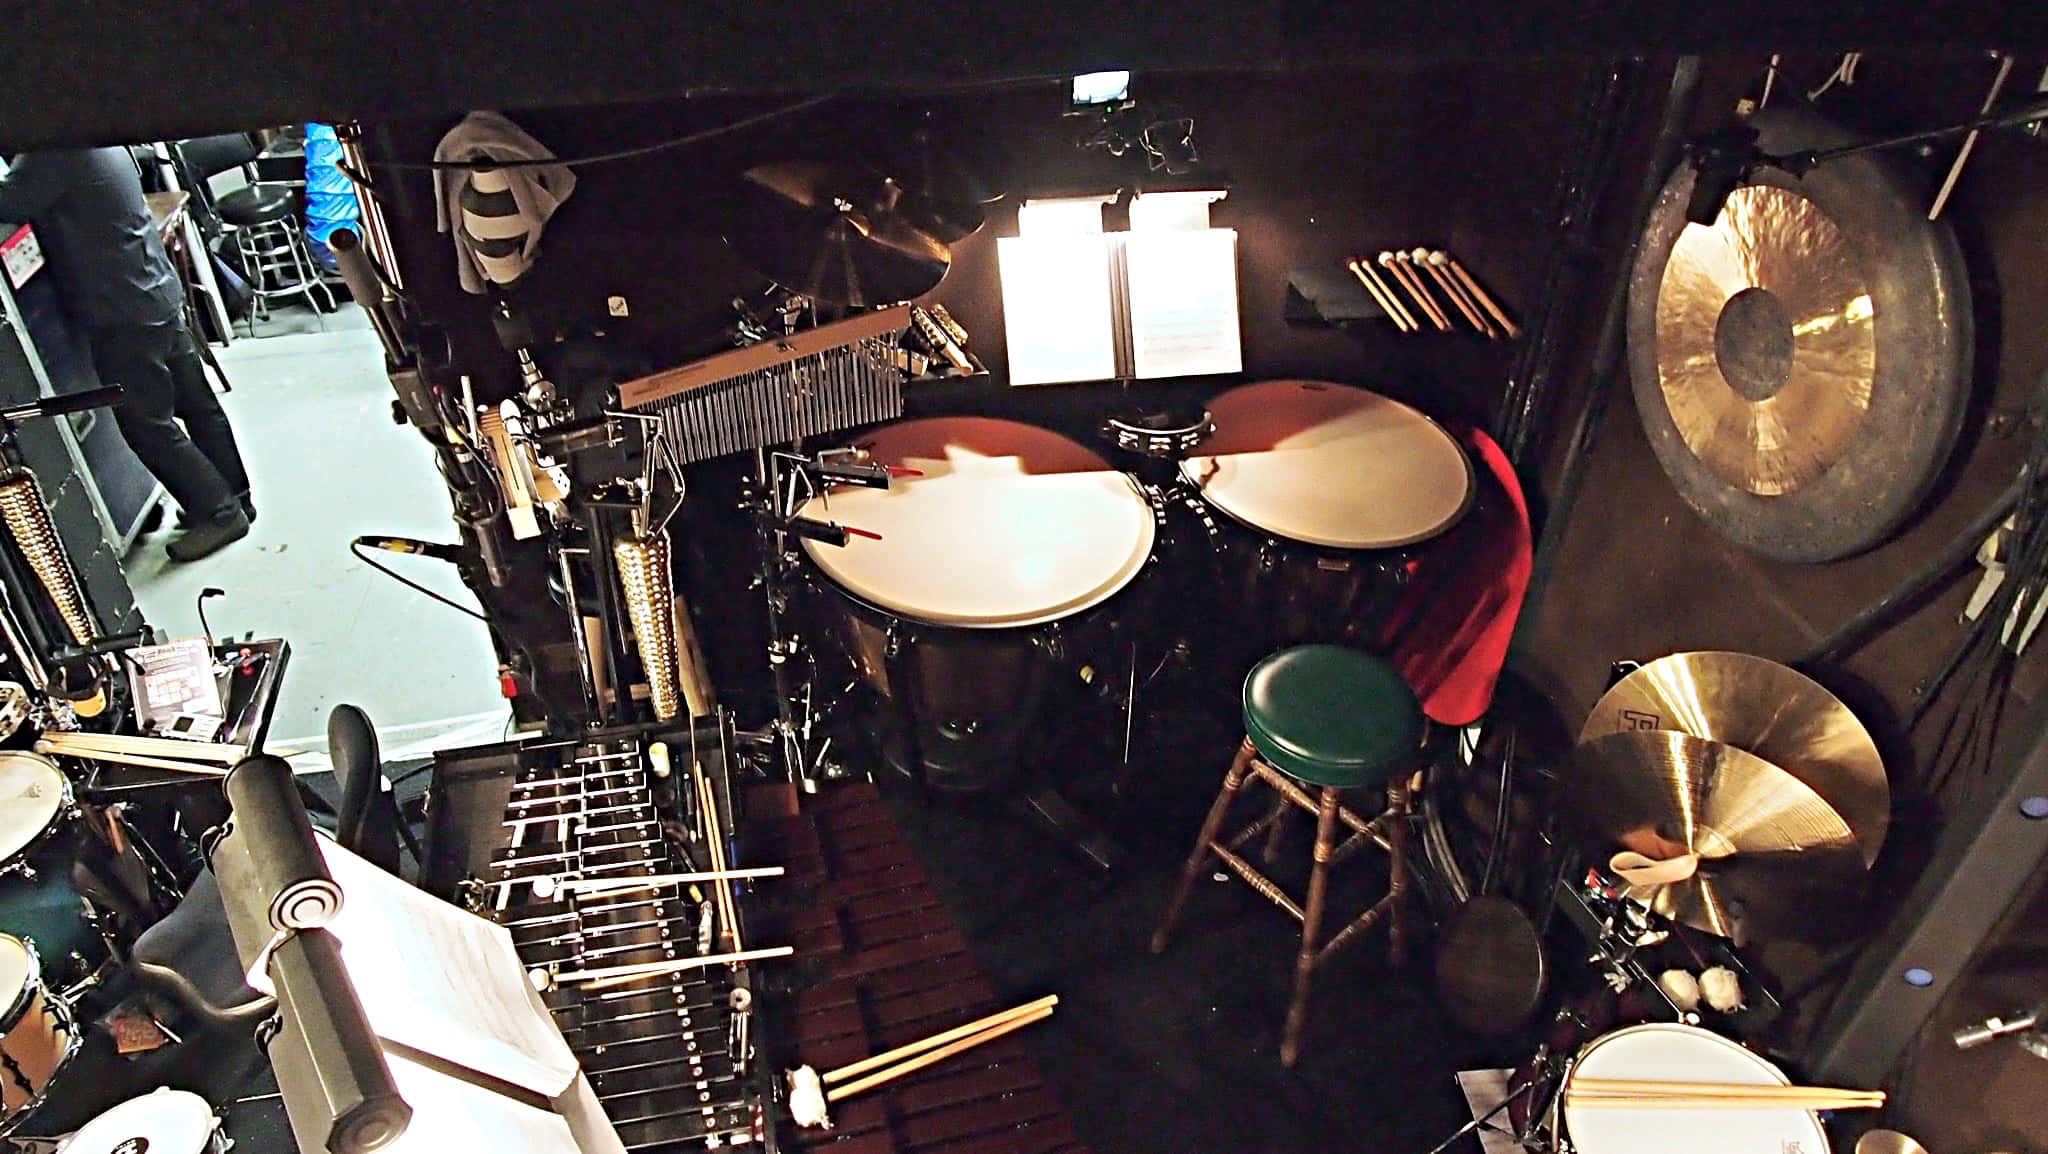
(185, 519)
(209, 538)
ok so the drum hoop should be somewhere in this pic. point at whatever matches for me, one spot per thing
(917, 627)
(1779, 1076)
(66, 812)
(1201, 489)
(17, 1008)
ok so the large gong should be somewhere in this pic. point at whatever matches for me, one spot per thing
(1802, 365)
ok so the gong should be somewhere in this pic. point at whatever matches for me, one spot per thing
(1802, 365)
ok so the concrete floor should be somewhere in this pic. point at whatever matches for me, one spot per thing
(312, 412)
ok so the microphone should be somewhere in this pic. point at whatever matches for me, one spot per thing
(449, 553)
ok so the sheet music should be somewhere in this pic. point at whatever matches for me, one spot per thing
(1183, 302)
(1056, 308)
(444, 981)
(449, 1114)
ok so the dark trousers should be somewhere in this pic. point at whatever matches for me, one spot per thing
(166, 383)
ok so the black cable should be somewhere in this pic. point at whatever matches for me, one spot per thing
(356, 548)
(605, 157)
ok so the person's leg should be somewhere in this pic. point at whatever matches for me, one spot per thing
(134, 357)
(205, 421)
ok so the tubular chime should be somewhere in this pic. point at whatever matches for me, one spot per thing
(662, 629)
(27, 518)
(629, 967)
(895, 970)
(804, 384)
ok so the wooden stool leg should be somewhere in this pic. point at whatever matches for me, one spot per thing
(1212, 826)
(1397, 869)
(1282, 810)
(1311, 921)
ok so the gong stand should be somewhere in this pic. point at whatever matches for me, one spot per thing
(1726, 157)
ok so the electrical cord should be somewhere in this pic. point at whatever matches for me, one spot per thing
(606, 157)
(355, 547)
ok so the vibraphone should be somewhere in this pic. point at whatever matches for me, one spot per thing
(891, 967)
(671, 1057)
(879, 960)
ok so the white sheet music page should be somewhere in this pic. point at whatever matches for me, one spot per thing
(444, 981)
(1183, 302)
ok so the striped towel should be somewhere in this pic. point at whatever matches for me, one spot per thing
(496, 216)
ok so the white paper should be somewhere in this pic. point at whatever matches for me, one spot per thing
(449, 1115)
(444, 981)
(1056, 308)
(1183, 302)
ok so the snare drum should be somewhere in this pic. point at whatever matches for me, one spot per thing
(163, 1122)
(1667, 1052)
(37, 1034)
(1325, 491)
(997, 565)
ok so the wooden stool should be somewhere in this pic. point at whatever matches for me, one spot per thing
(1334, 718)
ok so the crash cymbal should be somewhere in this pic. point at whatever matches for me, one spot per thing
(1802, 364)
(1775, 860)
(1764, 708)
(841, 233)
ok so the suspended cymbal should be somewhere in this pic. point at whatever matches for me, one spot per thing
(1802, 364)
(1764, 708)
(842, 233)
(1775, 859)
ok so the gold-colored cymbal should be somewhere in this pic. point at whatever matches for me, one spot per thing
(1775, 859)
(1766, 343)
(1764, 708)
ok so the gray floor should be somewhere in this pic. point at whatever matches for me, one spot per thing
(313, 415)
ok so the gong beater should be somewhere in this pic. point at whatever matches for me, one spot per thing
(1802, 365)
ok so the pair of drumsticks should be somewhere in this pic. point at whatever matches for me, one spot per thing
(811, 1092)
(1413, 270)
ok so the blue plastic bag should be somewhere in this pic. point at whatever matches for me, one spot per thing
(330, 197)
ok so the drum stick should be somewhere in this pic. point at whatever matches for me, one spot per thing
(1387, 304)
(1404, 319)
(1714, 1095)
(137, 760)
(1443, 281)
(939, 1039)
(1480, 295)
(1415, 290)
(149, 746)
(939, 1055)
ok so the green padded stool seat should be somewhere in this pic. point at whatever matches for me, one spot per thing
(1331, 716)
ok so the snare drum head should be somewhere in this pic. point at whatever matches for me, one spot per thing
(1010, 525)
(16, 964)
(1331, 465)
(1667, 1052)
(163, 1122)
(32, 791)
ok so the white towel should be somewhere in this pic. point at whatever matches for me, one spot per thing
(537, 191)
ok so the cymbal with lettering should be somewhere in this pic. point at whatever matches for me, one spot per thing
(1771, 710)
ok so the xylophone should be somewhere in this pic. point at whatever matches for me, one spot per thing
(890, 967)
